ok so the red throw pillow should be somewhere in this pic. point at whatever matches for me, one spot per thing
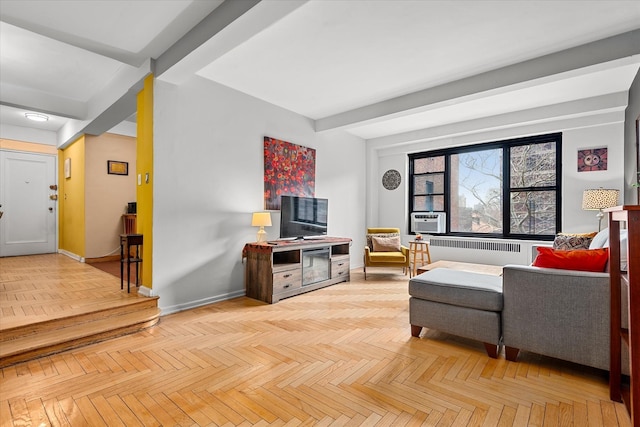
(577, 259)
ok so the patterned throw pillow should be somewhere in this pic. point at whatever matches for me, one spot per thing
(571, 241)
(370, 236)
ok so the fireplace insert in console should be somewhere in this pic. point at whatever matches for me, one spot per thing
(315, 265)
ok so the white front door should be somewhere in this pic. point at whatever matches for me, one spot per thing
(28, 218)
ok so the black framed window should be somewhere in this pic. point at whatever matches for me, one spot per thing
(505, 188)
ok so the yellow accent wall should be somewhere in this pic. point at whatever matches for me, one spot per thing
(71, 199)
(144, 168)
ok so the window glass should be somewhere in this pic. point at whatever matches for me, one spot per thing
(432, 183)
(505, 188)
(533, 165)
(428, 164)
(428, 204)
(476, 191)
(533, 212)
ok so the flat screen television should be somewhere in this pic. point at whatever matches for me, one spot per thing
(303, 217)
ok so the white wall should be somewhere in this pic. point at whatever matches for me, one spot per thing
(392, 205)
(20, 133)
(600, 129)
(208, 161)
(574, 219)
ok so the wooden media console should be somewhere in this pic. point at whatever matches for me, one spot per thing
(284, 268)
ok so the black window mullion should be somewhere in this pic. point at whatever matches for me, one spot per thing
(507, 191)
(559, 182)
(447, 192)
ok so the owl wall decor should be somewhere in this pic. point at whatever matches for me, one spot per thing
(593, 159)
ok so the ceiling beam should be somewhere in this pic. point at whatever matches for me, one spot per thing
(579, 108)
(224, 29)
(545, 68)
(191, 14)
(113, 104)
(223, 16)
(35, 100)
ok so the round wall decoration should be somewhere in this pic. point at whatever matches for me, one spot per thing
(391, 179)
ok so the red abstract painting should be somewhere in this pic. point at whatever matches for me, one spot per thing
(289, 169)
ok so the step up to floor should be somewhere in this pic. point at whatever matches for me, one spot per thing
(28, 342)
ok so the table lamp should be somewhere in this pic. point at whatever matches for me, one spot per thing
(261, 219)
(598, 199)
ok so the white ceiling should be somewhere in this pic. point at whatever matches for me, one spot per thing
(373, 67)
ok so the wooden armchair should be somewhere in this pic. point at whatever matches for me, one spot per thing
(384, 249)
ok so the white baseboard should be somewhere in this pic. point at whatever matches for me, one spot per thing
(205, 301)
(145, 292)
(71, 255)
(148, 292)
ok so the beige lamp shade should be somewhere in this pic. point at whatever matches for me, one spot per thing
(598, 199)
(262, 220)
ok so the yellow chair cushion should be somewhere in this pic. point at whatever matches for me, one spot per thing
(387, 257)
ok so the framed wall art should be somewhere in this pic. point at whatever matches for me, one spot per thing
(115, 167)
(67, 168)
(592, 159)
(289, 169)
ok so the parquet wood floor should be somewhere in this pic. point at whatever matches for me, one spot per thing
(338, 356)
(50, 303)
(113, 268)
(40, 288)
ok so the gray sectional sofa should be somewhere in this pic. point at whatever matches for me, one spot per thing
(460, 303)
(559, 313)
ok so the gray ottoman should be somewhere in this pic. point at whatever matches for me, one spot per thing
(459, 303)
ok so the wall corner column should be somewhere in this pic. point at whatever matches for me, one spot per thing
(144, 177)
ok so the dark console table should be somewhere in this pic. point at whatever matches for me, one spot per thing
(129, 256)
(284, 268)
(629, 283)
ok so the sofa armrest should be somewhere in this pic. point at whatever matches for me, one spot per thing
(559, 313)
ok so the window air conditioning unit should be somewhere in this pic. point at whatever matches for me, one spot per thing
(428, 222)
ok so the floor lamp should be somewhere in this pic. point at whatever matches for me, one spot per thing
(598, 199)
